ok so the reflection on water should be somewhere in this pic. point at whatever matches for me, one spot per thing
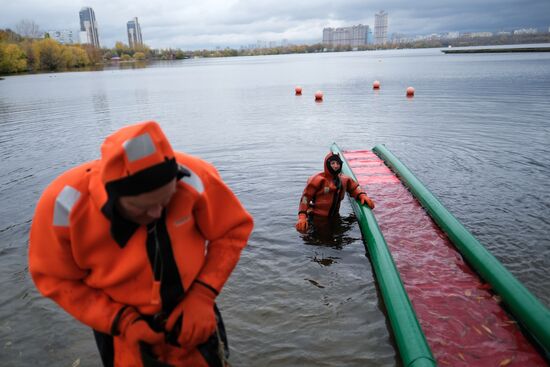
(116, 65)
(324, 260)
(330, 231)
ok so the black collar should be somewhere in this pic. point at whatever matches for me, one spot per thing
(122, 229)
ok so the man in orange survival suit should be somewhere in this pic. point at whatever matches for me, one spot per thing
(137, 245)
(325, 190)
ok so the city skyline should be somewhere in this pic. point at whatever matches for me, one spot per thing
(214, 23)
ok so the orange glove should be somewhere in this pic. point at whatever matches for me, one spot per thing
(365, 200)
(301, 225)
(198, 321)
(133, 329)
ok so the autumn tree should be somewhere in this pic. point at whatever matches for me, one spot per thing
(95, 55)
(12, 58)
(139, 56)
(146, 50)
(121, 49)
(50, 54)
(7, 35)
(33, 54)
(74, 57)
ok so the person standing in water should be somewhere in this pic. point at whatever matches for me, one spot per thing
(325, 190)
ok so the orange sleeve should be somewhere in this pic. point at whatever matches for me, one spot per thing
(312, 186)
(353, 188)
(57, 276)
(225, 224)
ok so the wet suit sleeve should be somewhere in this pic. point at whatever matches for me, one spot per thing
(58, 277)
(353, 188)
(312, 186)
(226, 225)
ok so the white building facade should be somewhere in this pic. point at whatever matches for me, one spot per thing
(381, 28)
(354, 36)
(64, 36)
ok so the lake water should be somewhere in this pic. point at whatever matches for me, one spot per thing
(477, 133)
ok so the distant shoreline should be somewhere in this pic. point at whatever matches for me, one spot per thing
(497, 50)
(447, 48)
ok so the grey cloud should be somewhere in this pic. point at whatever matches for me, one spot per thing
(169, 23)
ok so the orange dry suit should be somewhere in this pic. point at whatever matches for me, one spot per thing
(325, 190)
(96, 264)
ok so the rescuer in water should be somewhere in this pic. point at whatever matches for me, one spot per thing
(137, 245)
(325, 190)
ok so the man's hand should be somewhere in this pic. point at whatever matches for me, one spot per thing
(198, 321)
(133, 329)
(301, 225)
(365, 200)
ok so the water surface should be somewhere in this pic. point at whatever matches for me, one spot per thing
(476, 133)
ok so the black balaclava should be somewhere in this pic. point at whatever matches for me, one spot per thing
(334, 157)
(149, 179)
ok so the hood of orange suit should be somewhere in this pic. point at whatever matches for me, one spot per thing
(329, 172)
(135, 159)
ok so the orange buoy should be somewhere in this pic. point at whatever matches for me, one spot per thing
(318, 96)
(376, 84)
(410, 91)
(298, 91)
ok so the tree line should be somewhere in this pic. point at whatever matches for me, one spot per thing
(23, 51)
(20, 54)
(27, 53)
(29, 50)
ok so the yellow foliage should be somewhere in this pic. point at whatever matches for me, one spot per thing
(139, 56)
(12, 58)
(142, 48)
(121, 48)
(44, 54)
(74, 57)
(51, 54)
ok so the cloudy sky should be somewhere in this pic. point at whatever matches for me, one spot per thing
(210, 23)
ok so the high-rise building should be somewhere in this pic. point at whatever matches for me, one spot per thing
(354, 36)
(380, 27)
(134, 33)
(88, 27)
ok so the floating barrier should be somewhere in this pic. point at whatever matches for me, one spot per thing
(461, 322)
(298, 91)
(523, 305)
(410, 340)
